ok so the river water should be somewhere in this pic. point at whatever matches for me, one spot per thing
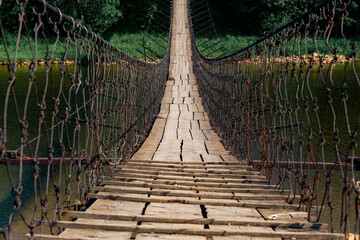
(27, 196)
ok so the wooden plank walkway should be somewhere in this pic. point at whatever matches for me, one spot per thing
(183, 183)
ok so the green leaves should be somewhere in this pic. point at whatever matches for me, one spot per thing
(100, 15)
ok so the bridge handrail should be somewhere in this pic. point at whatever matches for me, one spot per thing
(80, 116)
(289, 106)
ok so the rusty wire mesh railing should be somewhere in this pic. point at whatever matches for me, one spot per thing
(80, 106)
(289, 104)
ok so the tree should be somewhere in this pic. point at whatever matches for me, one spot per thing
(97, 15)
(100, 15)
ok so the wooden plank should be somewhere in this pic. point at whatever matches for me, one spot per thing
(185, 174)
(178, 100)
(229, 158)
(172, 210)
(201, 232)
(189, 156)
(202, 221)
(198, 195)
(250, 204)
(183, 107)
(191, 163)
(205, 125)
(184, 124)
(187, 183)
(144, 156)
(173, 115)
(197, 134)
(159, 123)
(186, 165)
(198, 169)
(56, 237)
(184, 134)
(199, 115)
(211, 135)
(211, 144)
(193, 107)
(169, 156)
(197, 188)
(195, 125)
(217, 158)
(186, 115)
(167, 100)
(190, 179)
(200, 107)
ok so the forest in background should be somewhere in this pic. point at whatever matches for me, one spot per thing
(122, 22)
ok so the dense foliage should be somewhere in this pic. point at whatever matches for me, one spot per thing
(100, 16)
(246, 17)
(257, 17)
(122, 21)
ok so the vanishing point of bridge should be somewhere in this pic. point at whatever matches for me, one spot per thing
(182, 183)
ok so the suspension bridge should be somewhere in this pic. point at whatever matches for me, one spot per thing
(188, 147)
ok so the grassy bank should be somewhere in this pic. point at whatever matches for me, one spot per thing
(26, 49)
(233, 43)
(130, 43)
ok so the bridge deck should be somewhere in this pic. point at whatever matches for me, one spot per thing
(183, 183)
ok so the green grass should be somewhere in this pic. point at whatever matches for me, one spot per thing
(230, 43)
(26, 49)
(129, 43)
(233, 43)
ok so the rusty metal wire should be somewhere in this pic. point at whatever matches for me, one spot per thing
(78, 115)
(291, 109)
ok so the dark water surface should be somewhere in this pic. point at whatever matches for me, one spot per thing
(27, 196)
(28, 199)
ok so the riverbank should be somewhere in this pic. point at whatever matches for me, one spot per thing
(130, 43)
(315, 59)
(233, 43)
(127, 42)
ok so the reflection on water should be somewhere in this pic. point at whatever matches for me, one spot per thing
(28, 195)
